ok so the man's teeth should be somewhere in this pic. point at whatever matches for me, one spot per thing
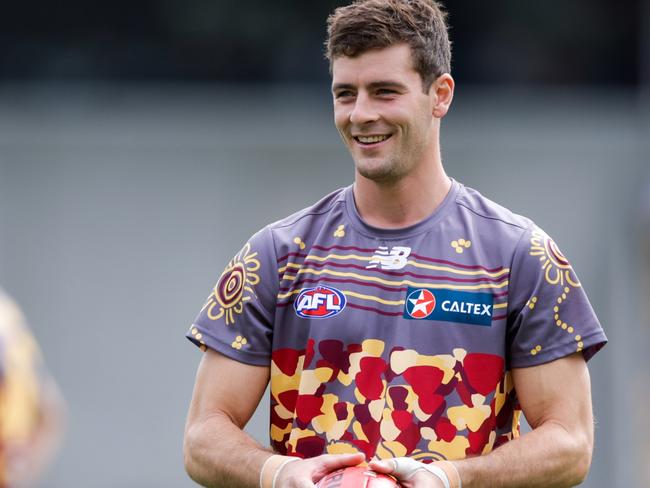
(371, 139)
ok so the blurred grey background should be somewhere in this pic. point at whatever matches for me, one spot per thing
(142, 143)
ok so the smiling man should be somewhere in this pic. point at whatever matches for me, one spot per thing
(406, 320)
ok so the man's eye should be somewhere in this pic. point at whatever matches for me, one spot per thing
(343, 94)
(385, 91)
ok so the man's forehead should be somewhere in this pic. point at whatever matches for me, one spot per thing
(393, 63)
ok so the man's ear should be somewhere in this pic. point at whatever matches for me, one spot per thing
(442, 91)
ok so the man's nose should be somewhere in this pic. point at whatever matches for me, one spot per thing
(364, 110)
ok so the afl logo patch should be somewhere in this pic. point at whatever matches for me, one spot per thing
(420, 304)
(320, 302)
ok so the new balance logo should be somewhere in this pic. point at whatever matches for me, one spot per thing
(396, 258)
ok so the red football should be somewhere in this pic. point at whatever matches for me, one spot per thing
(357, 477)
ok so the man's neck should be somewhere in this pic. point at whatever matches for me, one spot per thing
(400, 203)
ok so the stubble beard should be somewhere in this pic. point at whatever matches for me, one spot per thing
(386, 171)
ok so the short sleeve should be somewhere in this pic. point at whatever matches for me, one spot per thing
(237, 317)
(549, 315)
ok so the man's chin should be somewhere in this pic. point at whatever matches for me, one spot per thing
(378, 173)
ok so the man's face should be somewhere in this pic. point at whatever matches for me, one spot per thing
(381, 112)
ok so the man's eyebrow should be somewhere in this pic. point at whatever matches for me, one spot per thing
(386, 84)
(374, 85)
(342, 86)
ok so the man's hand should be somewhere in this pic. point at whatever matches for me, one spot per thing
(307, 472)
(409, 472)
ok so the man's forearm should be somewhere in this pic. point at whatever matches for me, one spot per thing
(548, 457)
(219, 454)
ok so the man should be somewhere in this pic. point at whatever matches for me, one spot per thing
(405, 318)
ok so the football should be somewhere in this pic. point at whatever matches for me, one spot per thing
(357, 477)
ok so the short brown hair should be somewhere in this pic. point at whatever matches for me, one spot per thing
(376, 24)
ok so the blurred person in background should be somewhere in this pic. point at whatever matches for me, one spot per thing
(405, 320)
(31, 405)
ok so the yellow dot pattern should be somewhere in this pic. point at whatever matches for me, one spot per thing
(531, 303)
(199, 337)
(562, 324)
(239, 342)
(536, 350)
(460, 245)
(298, 240)
(340, 231)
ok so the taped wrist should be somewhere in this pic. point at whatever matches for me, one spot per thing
(452, 472)
(439, 472)
(271, 469)
(407, 467)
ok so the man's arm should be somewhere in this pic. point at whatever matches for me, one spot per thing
(218, 453)
(556, 399)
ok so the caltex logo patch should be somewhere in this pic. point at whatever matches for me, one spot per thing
(319, 303)
(449, 306)
(420, 303)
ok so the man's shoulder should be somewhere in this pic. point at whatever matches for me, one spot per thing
(301, 226)
(321, 208)
(488, 211)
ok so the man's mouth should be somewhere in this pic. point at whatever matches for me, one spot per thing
(369, 140)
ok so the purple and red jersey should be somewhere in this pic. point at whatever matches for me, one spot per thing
(397, 342)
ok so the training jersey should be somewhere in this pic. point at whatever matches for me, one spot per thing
(397, 342)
